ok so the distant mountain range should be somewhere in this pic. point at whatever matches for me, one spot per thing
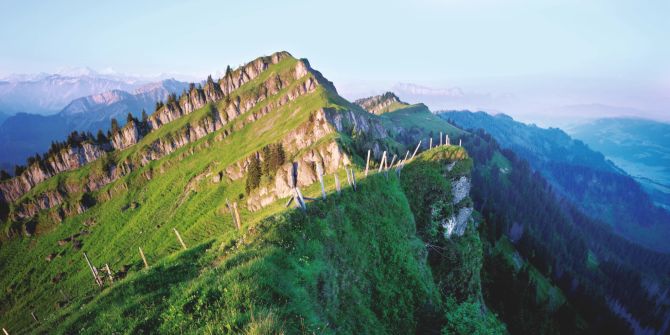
(25, 134)
(640, 147)
(580, 174)
(49, 93)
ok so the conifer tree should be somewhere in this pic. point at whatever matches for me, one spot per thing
(115, 127)
(253, 174)
(18, 169)
(145, 117)
(267, 161)
(100, 137)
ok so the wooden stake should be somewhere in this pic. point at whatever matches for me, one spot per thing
(144, 259)
(431, 143)
(34, 317)
(93, 271)
(238, 221)
(5, 331)
(109, 272)
(382, 162)
(415, 150)
(289, 201)
(392, 160)
(319, 172)
(440, 138)
(367, 164)
(232, 213)
(183, 245)
(353, 178)
(337, 183)
(460, 142)
(348, 177)
(446, 139)
(301, 198)
(403, 160)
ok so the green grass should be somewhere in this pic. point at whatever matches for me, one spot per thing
(335, 269)
(418, 116)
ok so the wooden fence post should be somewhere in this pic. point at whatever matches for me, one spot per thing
(382, 162)
(34, 317)
(415, 150)
(337, 183)
(348, 177)
(109, 272)
(319, 172)
(93, 271)
(431, 143)
(238, 221)
(179, 238)
(300, 198)
(392, 161)
(367, 163)
(144, 259)
(440, 138)
(460, 142)
(353, 178)
(446, 140)
(5, 331)
(232, 214)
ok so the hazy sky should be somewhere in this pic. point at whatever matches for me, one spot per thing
(542, 54)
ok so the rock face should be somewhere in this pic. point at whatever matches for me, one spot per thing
(329, 156)
(460, 189)
(458, 220)
(380, 104)
(128, 136)
(457, 223)
(67, 159)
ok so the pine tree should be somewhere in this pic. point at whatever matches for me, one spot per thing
(145, 117)
(229, 72)
(18, 169)
(267, 161)
(100, 137)
(253, 174)
(130, 118)
(280, 156)
(4, 175)
(115, 127)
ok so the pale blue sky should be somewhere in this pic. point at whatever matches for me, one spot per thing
(487, 46)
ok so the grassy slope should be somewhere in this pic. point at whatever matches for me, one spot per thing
(163, 205)
(338, 268)
(419, 116)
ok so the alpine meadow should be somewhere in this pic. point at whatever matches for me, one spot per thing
(358, 192)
